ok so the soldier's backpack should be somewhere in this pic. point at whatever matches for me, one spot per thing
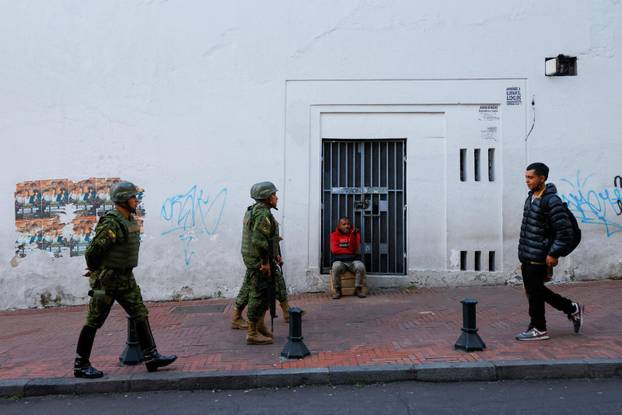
(576, 231)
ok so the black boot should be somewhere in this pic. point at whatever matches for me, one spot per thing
(82, 366)
(153, 360)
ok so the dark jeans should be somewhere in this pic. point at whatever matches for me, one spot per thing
(538, 294)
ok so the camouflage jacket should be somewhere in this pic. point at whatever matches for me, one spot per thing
(260, 236)
(116, 243)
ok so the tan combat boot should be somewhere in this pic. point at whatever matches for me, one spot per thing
(237, 322)
(262, 329)
(252, 337)
(285, 307)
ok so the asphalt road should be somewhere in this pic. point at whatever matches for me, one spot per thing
(603, 396)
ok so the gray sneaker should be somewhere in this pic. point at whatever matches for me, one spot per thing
(533, 334)
(577, 317)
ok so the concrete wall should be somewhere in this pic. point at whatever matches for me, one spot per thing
(195, 101)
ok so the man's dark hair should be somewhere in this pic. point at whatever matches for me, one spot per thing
(345, 218)
(541, 169)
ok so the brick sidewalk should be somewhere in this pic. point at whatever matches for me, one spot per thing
(388, 327)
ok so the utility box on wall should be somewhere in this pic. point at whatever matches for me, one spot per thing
(560, 65)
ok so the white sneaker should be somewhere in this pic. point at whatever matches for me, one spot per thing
(577, 317)
(533, 334)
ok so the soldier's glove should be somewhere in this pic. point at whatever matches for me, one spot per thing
(265, 269)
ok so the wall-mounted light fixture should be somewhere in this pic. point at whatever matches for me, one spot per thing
(560, 65)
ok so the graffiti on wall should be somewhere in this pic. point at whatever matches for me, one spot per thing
(617, 184)
(591, 205)
(191, 214)
(58, 216)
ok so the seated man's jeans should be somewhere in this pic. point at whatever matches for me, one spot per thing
(356, 267)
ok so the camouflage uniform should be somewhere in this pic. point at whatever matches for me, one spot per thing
(113, 279)
(241, 300)
(280, 288)
(260, 240)
(260, 244)
(110, 257)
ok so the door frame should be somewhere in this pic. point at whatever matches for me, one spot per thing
(402, 255)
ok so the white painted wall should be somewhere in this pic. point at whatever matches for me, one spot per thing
(177, 94)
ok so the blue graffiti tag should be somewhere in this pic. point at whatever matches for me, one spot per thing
(193, 213)
(617, 182)
(595, 207)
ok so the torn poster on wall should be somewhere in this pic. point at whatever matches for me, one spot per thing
(59, 215)
(489, 121)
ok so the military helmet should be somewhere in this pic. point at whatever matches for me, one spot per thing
(263, 190)
(122, 191)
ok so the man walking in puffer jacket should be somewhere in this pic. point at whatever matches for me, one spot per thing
(546, 232)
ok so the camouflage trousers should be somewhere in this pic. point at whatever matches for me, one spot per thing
(255, 294)
(280, 290)
(108, 286)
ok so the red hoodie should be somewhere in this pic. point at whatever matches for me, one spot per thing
(345, 245)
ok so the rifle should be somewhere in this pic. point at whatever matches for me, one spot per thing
(272, 292)
(272, 286)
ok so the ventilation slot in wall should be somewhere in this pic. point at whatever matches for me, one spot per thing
(463, 260)
(478, 261)
(491, 164)
(491, 261)
(477, 164)
(463, 156)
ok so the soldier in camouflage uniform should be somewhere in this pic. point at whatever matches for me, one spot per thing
(260, 240)
(241, 301)
(110, 258)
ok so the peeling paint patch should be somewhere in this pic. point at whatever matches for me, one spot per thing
(46, 300)
(184, 293)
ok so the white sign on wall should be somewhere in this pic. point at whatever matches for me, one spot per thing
(513, 95)
(489, 121)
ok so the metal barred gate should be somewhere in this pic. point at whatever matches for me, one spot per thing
(365, 180)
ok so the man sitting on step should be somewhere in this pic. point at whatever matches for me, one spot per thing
(345, 244)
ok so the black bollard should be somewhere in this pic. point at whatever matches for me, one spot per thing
(295, 347)
(133, 354)
(469, 340)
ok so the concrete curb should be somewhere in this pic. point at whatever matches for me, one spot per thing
(340, 375)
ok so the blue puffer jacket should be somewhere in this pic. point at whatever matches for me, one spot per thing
(543, 218)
